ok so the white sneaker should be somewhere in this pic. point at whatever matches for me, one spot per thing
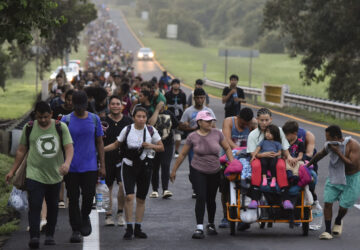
(109, 221)
(42, 225)
(120, 220)
(167, 194)
(154, 194)
(61, 204)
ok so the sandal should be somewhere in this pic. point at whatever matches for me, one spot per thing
(325, 236)
(337, 229)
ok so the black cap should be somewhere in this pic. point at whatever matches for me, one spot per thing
(199, 92)
(199, 82)
(80, 99)
(175, 81)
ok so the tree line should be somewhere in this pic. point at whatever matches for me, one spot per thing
(237, 22)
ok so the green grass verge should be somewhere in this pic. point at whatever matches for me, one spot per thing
(20, 94)
(186, 61)
(326, 119)
(7, 215)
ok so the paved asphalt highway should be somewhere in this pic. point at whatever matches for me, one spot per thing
(170, 223)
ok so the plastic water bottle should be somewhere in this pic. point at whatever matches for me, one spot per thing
(317, 213)
(102, 196)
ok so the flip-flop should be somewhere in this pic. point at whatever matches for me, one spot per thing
(337, 229)
(325, 236)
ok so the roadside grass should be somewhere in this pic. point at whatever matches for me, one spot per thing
(20, 95)
(8, 220)
(320, 117)
(186, 61)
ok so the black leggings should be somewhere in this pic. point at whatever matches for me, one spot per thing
(162, 159)
(206, 186)
(84, 184)
(268, 163)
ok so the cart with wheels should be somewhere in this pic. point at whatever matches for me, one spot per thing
(270, 209)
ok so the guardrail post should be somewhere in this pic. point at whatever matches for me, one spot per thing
(4, 141)
(44, 90)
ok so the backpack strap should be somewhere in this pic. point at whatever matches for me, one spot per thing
(29, 127)
(93, 116)
(67, 119)
(150, 129)
(60, 133)
(128, 128)
(123, 145)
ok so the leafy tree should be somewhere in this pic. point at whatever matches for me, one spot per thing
(326, 34)
(19, 17)
(76, 15)
(20, 55)
(238, 22)
(4, 60)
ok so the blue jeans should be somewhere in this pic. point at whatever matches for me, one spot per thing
(37, 191)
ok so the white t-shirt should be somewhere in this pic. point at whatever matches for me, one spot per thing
(255, 137)
(135, 140)
(190, 113)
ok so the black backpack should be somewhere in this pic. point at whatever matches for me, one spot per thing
(133, 154)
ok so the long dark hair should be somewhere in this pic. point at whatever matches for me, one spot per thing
(275, 131)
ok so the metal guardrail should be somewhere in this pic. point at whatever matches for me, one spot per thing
(338, 109)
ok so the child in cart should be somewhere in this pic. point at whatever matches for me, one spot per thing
(271, 143)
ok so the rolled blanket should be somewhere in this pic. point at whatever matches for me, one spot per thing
(304, 176)
(235, 167)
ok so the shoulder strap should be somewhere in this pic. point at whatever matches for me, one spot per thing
(59, 131)
(128, 128)
(67, 119)
(29, 127)
(93, 116)
(150, 129)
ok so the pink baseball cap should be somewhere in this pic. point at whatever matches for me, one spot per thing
(205, 116)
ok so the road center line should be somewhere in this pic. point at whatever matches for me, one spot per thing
(92, 242)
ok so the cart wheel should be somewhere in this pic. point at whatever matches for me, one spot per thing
(232, 228)
(262, 225)
(305, 228)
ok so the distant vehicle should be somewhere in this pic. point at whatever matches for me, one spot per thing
(71, 71)
(145, 54)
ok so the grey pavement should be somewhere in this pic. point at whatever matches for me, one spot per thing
(170, 223)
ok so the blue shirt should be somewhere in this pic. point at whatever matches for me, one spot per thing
(269, 146)
(83, 134)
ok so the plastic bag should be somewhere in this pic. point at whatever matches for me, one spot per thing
(18, 199)
(249, 215)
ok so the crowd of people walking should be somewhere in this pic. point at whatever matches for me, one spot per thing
(115, 125)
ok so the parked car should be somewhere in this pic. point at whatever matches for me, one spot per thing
(145, 54)
(71, 71)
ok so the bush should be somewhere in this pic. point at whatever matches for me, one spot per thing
(190, 31)
(4, 60)
(271, 43)
(8, 216)
(17, 68)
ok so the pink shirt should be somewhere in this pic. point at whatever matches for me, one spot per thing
(206, 150)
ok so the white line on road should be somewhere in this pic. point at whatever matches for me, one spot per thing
(357, 206)
(92, 242)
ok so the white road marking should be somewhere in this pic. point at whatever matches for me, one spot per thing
(92, 242)
(357, 206)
